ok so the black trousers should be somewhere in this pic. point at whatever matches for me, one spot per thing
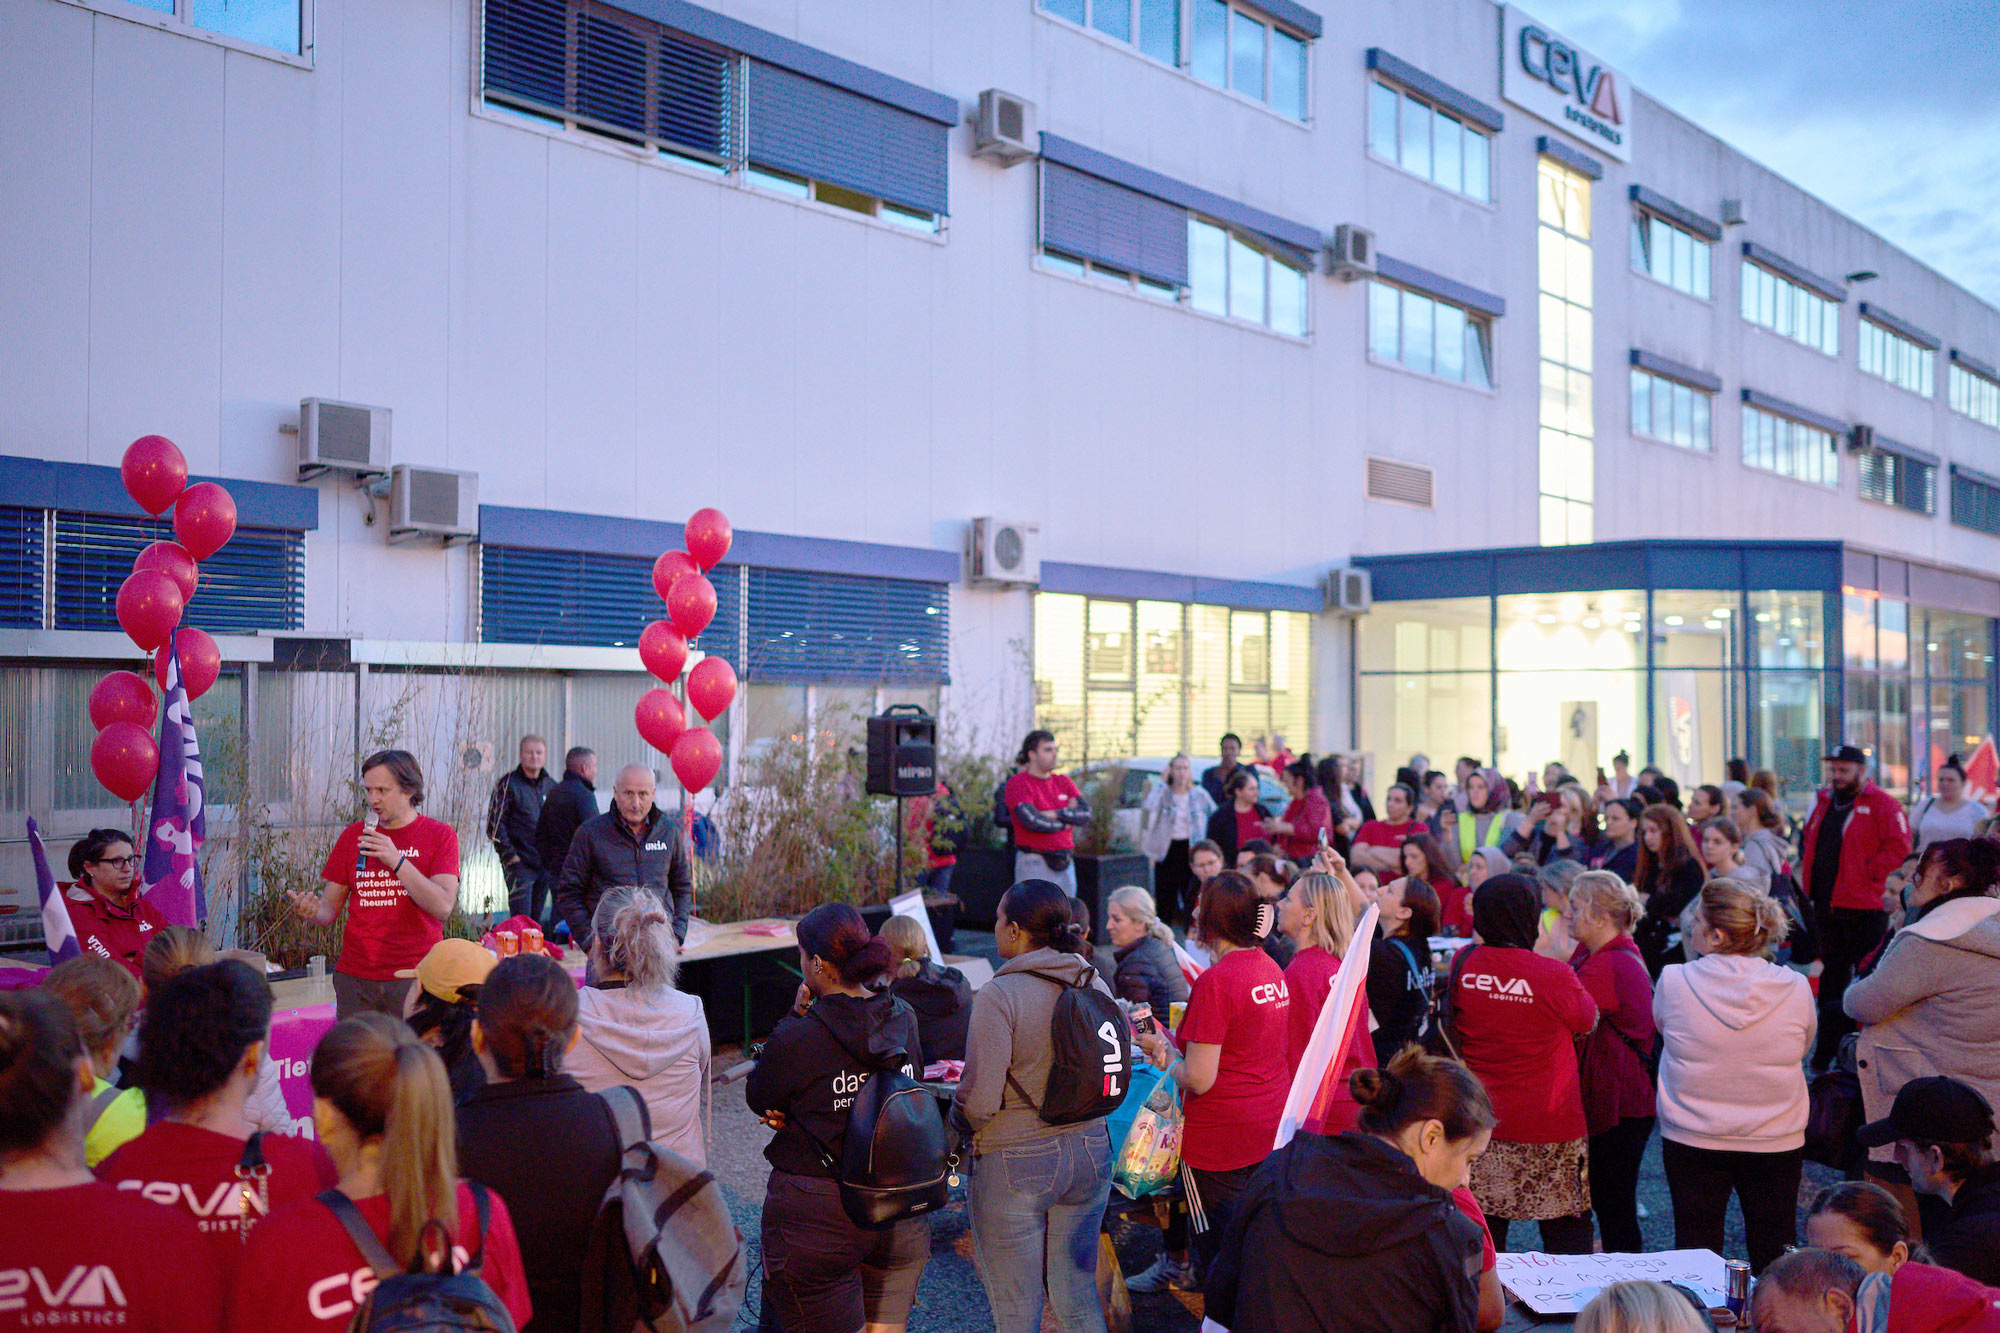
(527, 892)
(1846, 936)
(1560, 1235)
(1217, 1193)
(1766, 1185)
(1614, 1183)
(1172, 878)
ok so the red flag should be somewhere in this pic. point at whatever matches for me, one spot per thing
(1982, 773)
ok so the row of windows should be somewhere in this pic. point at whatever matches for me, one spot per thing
(1229, 48)
(1792, 311)
(276, 24)
(1898, 479)
(1670, 412)
(1418, 137)
(1974, 396)
(1790, 448)
(1228, 275)
(1903, 363)
(1674, 255)
(1432, 337)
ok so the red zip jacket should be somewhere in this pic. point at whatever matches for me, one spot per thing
(1875, 841)
(1924, 1299)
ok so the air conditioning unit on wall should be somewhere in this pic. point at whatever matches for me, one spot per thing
(1350, 255)
(1003, 129)
(1349, 591)
(1003, 553)
(433, 502)
(342, 437)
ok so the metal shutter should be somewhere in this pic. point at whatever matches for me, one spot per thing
(1974, 503)
(525, 51)
(581, 598)
(842, 628)
(256, 582)
(1091, 218)
(813, 129)
(20, 567)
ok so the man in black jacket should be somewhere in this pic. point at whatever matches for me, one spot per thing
(568, 808)
(511, 817)
(633, 843)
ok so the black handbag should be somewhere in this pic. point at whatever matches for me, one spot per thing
(1834, 1111)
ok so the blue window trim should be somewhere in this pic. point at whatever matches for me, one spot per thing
(1550, 146)
(1150, 585)
(1875, 314)
(1681, 217)
(1785, 268)
(1983, 369)
(1675, 370)
(1602, 566)
(796, 57)
(1436, 284)
(1436, 90)
(1805, 416)
(91, 488)
(1069, 153)
(1882, 444)
(600, 534)
(1289, 13)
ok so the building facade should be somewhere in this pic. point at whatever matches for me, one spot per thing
(1240, 296)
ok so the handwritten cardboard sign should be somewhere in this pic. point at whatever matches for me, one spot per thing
(1565, 1283)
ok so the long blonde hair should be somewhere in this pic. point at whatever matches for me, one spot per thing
(1138, 904)
(1332, 926)
(1639, 1307)
(393, 1088)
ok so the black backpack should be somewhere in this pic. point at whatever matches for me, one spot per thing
(453, 1300)
(1091, 1062)
(895, 1157)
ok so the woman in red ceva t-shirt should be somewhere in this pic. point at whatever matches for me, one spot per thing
(1317, 914)
(382, 1105)
(198, 1056)
(1232, 1073)
(1518, 1015)
(1299, 829)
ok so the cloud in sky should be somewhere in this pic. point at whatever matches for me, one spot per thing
(1889, 113)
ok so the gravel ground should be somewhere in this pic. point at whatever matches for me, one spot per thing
(949, 1297)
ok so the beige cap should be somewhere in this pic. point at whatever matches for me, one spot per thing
(451, 964)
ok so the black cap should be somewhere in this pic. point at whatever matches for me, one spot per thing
(1933, 1110)
(1848, 754)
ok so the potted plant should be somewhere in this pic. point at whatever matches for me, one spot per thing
(1106, 859)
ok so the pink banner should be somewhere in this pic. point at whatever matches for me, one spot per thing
(294, 1034)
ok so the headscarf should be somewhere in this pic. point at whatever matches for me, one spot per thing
(1496, 860)
(1497, 793)
(1506, 912)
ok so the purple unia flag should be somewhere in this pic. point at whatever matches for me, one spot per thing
(177, 823)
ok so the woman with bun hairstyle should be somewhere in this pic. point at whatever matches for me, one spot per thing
(1038, 1190)
(199, 1054)
(525, 1027)
(823, 1274)
(1932, 1003)
(1862, 1221)
(1359, 1231)
(1518, 1015)
(57, 1218)
(111, 918)
(1735, 1028)
(637, 1028)
(1297, 831)
(1317, 914)
(382, 1107)
(1617, 1075)
(173, 951)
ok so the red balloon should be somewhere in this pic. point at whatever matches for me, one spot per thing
(201, 661)
(711, 685)
(708, 536)
(149, 606)
(154, 471)
(663, 650)
(173, 560)
(670, 566)
(697, 758)
(122, 696)
(125, 760)
(660, 719)
(204, 518)
(691, 603)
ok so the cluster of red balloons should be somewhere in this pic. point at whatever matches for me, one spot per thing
(150, 604)
(681, 579)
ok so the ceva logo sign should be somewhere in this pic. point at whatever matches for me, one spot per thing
(1548, 76)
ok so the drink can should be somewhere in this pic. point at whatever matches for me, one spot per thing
(531, 939)
(1175, 1011)
(1736, 1287)
(509, 942)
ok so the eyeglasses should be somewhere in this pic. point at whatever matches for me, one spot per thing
(122, 862)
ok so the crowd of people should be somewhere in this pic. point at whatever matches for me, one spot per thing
(1554, 972)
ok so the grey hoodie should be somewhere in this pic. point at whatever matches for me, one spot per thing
(1735, 1031)
(656, 1041)
(1932, 1004)
(1010, 1034)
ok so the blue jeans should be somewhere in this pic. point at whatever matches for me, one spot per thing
(1036, 1209)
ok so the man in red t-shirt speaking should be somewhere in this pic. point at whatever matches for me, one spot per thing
(401, 869)
(1046, 809)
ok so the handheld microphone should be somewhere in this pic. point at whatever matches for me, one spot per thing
(367, 826)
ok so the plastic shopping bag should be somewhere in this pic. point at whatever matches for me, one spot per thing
(1149, 1157)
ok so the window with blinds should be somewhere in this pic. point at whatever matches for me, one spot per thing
(256, 582)
(1975, 500)
(1892, 478)
(20, 567)
(844, 628)
(582, 598)
(1093, 219)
